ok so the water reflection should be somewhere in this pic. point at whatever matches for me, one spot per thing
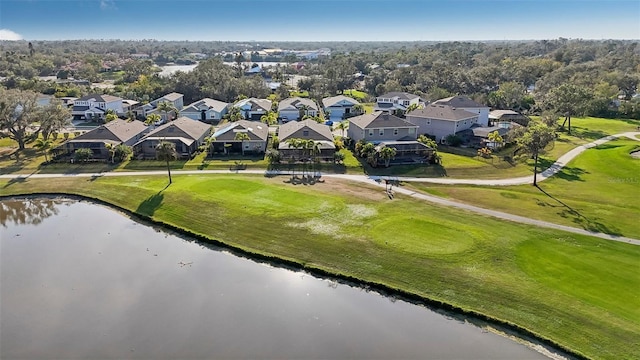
(92, 283)
(29, 211)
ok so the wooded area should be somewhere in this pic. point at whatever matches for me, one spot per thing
(525, 76)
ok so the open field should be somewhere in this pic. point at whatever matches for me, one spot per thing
(598, 191)
(579, 291)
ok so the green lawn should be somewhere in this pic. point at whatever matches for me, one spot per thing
(356, 94)
(579, 291)
(598, 191)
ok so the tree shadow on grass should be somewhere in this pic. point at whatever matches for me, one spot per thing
(151, 204)
(566, 173)
(16, 180)
(568, 212)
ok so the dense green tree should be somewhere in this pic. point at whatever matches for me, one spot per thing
(568, 100)
(534, 140)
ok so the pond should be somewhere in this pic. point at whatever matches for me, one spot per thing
(81, 280)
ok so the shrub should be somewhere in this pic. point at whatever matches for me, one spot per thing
(338, 157)
(453, 140)
(82, 154)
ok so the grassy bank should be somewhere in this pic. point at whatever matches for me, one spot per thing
(577, 290)
(597, 191)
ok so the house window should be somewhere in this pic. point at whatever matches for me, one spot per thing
(305, 132)
(465, 122)
(412, 130)
(381, 132)
(395, 131)
(405, 103)
(370, 132)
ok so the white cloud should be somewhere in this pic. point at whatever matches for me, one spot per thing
(107, 4)
(6, 34)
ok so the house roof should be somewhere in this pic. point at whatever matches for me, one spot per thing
(399, 95)
(172, 96)
(99, 98)
(194, 128)
(256, 104)
(116, 130)
(130, 102)
(255, 130)
(330, 101)
(297, 102)
(319, 131)
(379, 119)
(442, 112)
(497, 114)
(485, 131)
(459, 101)
(216, 105)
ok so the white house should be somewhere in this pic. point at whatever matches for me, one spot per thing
(442, 120)
(95, 106)
(339, 107)
(252, 108)
(175, 99)
(396, 101)
(465, 103)
(206, 110)
(289, 109)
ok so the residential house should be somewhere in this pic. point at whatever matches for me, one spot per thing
(381, 126)
(478, 136)
(225, 139)
(339, 107)
(252, 108)
(174, 99)
(115, 132)
(291, 108)
(441, 121)
(95, 106)
(129, 105)
(394, 101)
(186, 134)
(307, 130)
(504, 117)
(465, 103)
(206, 110)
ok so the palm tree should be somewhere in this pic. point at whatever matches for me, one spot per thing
(496, 139)
(110, 115)
(152, 119)
(112, 150)
(386, 154)
(166, 108)
(270, 118)
(242, 137)
(43, 145)
(343, 126)
(166, 151)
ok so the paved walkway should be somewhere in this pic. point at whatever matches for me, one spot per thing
(379, 181)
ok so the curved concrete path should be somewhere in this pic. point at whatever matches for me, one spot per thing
(377, 181)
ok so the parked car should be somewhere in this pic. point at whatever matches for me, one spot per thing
(329, 123)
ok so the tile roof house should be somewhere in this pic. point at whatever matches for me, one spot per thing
(307, 130)
(465, 103)
(393, 101)
(225, 139)
(186, 134)
(381, 126)
(339, 107)
(252, 108)
(206, 110)
(115, 132)
(442, 120)
(95, 106)
(175, 99)
(290, 108)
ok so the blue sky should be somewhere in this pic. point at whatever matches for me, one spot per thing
(319, 20)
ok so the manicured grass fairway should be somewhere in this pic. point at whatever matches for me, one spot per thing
(579, 291)
(598, 191)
